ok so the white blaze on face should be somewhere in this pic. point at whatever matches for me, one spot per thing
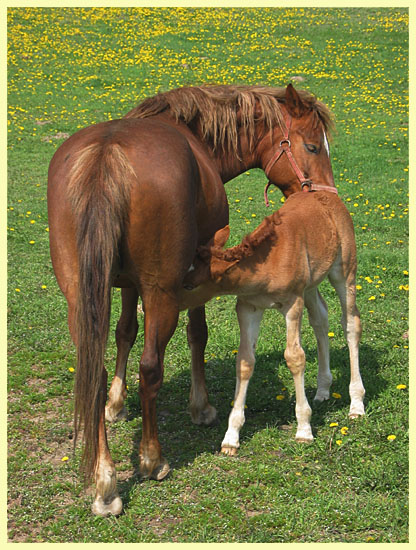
(326, 143)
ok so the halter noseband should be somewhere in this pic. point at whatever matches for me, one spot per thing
(285, 147)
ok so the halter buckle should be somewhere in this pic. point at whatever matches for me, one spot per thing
(285, 141)
(308, 184)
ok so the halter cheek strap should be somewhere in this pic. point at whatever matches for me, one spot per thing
(285, 147)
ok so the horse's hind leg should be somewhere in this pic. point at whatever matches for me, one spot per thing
(318, 319)
(201, 411)
(107, 501)
(351, 324)
(161, 313)
(126, 333)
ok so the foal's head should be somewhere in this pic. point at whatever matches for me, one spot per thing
(303, 135)
(212, 272)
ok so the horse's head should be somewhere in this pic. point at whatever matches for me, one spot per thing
(297, 151)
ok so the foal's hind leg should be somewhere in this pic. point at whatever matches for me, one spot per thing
(201, 411)
(126, 333)
(161, 313)
(318, 319)
(351, 324)
(295, 359)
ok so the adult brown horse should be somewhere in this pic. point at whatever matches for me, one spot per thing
(129, 201)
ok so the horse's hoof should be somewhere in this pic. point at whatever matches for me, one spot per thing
(112, 417)
(207, 417)
(228, 450)
(161, 471)
(149, 471)
(104, 508)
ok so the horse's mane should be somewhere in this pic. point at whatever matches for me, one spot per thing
(219, 111)
(265, 231)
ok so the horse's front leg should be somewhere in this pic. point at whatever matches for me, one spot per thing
(126, 333)
(201, 411)
(249, 319)
(160, 319)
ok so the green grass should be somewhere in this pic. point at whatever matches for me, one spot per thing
(72, 67)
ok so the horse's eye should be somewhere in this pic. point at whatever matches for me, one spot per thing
(311, 148)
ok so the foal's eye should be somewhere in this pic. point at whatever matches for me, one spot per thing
(311, 148)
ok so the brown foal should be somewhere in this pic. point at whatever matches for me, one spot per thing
(280, 266)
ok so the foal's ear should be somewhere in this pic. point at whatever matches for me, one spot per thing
(221, 236)
(294, 104)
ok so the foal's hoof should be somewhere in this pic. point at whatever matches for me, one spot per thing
(356, 411)
(228, 450)
(101, 507)
(207, 416)
(304, 440)
(112, 416)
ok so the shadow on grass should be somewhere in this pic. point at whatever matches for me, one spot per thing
(182, 441)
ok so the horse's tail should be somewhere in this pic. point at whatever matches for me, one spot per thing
(99, 187)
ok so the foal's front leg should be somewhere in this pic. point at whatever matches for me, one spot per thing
(318, 319)
(249, 318)
(295, 359)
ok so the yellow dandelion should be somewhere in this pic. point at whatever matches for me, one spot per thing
(71, 369)
(401, 386)
(333, 424)
(336, 395)
(64, 458)
(17, 289)
(391, 437)
(338, 441)
(280, 397)
(371, 298)
(344, 430)
(331, 334)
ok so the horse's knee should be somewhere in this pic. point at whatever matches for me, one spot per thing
(196, 330)
(126, 333)
(151, 370)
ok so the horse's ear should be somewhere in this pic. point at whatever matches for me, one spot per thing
(294, 103)
(221, 236)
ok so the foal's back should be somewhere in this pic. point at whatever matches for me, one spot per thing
(314, 231)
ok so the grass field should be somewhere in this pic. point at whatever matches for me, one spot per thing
(68, 68)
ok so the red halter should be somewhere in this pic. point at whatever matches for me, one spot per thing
(284, 147)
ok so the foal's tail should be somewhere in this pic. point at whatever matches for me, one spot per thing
(99, 187)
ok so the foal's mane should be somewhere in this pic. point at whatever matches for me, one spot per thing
(265, 231)
(220, 110)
